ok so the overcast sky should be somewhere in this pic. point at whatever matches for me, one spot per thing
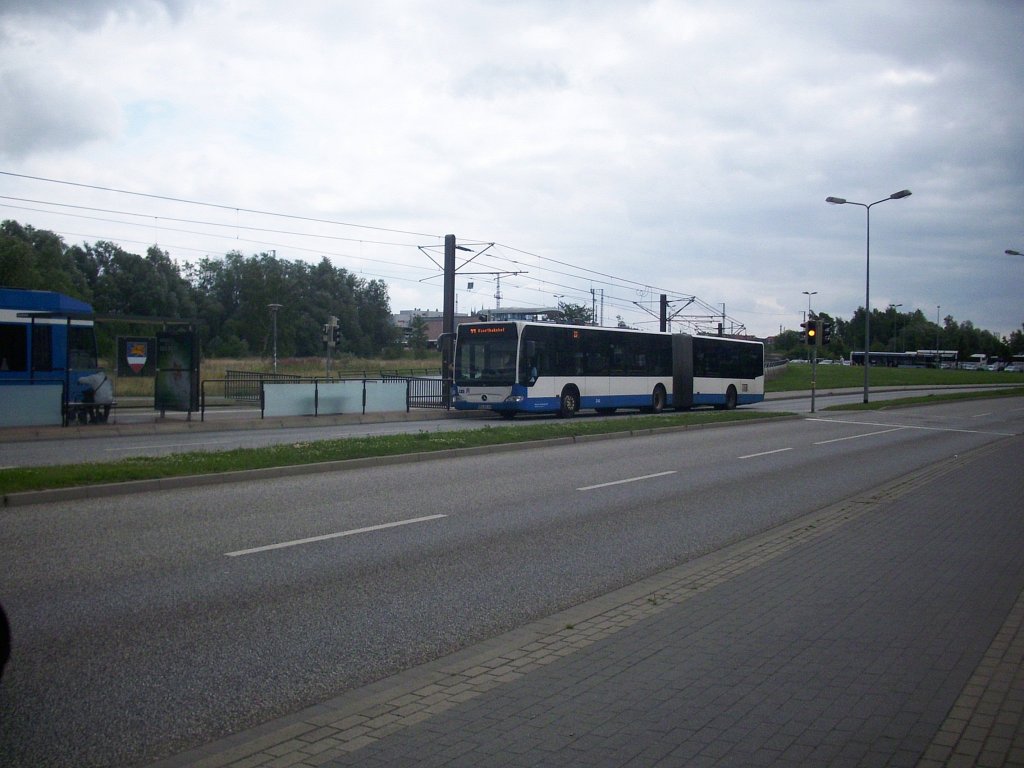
(629, 147)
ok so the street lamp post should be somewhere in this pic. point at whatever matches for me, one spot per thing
(867, 279)
(273, 317)
(938, 355)
(808, 294)
(902, 345)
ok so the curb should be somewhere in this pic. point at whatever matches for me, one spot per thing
(52, 495)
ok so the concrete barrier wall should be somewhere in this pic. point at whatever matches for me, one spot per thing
(351, 396)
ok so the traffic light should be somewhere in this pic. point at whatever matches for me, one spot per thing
(327, 333)
(336, 334)
(826, 331)
(812, 333)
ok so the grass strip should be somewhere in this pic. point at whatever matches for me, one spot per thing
(18, 479)
(905, 402)
(797, 377)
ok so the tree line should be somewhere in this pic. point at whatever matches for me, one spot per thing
(228, 298)
(893, 331)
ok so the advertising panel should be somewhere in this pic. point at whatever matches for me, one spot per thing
(177, 375)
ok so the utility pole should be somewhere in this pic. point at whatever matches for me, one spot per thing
(446, 340)
(448, 319)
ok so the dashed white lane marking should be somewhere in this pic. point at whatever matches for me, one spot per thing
(915, 426)
(338, 535)
(764, 453)
(854, 437)
(627, 480)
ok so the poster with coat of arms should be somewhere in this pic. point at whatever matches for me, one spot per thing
(136, 356)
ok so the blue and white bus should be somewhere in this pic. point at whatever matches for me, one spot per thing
(46, 338)
(523, 367)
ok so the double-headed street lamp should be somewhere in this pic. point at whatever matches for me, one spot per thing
(867, 280)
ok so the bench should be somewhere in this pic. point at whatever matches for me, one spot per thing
(88, 413)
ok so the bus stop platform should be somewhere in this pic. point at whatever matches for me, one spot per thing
(886, 630)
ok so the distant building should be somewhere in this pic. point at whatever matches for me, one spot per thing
(532, 314)
(434, 319)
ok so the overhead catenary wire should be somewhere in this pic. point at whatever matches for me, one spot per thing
(221, 206)
(499, 259)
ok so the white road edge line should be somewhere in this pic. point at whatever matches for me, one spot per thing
(854, 437)
(338, 535)
(764, 453)
(914, 426)
(627, 480)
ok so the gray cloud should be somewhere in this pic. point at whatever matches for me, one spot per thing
(44, 112)
(89, 13)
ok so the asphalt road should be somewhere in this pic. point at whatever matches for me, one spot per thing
(224, 430)
(148, 624)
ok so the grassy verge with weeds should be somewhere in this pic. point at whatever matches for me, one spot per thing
(17, 479)
(927, 399)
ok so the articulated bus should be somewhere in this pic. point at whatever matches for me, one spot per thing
(523, 367)
(46, 338)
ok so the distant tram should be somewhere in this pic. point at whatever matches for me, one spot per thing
(921, 358)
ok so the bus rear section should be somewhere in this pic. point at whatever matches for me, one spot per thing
(716, 371)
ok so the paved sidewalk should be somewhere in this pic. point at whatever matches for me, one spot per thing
(886, 630)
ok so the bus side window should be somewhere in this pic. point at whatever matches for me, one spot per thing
(530, 363)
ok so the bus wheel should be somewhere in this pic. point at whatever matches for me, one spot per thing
(658, 400)
(730, 398)
(569, 404)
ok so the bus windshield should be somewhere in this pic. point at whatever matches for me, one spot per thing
(486, 355)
